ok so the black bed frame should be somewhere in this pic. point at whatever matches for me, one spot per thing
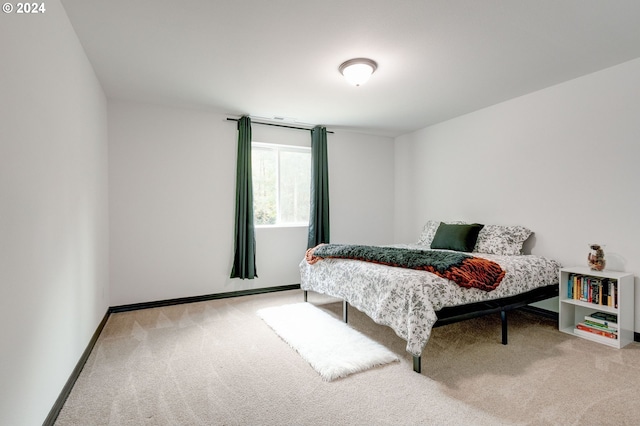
(450, 315)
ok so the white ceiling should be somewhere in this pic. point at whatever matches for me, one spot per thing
(437, 59)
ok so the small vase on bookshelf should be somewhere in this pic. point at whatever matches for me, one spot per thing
(595, 258)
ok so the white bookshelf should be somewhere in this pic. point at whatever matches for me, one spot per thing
(573, 311)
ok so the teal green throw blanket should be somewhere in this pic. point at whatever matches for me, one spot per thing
(465, 270)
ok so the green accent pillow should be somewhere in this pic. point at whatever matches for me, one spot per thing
(456, 237)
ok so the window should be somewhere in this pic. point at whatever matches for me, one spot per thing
(281, 184)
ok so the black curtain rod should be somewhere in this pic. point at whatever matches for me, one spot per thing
(274, 124)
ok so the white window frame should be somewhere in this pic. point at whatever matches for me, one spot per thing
(281, 147)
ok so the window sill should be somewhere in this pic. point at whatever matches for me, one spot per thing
(299, 225)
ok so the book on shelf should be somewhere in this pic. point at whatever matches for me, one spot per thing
(590, 289)
(593, 336)
(604, 318)
(583, 327)
(600, 326)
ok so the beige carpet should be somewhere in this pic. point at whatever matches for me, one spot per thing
(218, 363)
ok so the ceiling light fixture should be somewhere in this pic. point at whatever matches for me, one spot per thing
(357, 71)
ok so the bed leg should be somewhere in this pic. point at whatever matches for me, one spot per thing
(305, 295)
(503, 317)
(417, 364)
(345, 311)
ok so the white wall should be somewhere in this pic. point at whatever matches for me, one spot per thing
(361, 185)
(563, 161)
(172, 200)
(53, 210)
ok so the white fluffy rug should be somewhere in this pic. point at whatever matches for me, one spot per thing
(329, 345)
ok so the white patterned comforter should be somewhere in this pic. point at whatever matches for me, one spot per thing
(406, 299)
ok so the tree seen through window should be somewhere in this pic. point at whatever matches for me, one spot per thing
(281, 184)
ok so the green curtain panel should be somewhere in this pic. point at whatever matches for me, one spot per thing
(244, 261)
(319, 213)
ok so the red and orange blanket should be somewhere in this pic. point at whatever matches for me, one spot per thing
(463, 269)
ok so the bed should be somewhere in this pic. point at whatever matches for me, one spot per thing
(413, 301)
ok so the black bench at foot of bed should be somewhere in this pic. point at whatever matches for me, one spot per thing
(450, 315)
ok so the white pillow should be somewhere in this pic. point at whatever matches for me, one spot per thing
(499, 239)
(428, 232)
